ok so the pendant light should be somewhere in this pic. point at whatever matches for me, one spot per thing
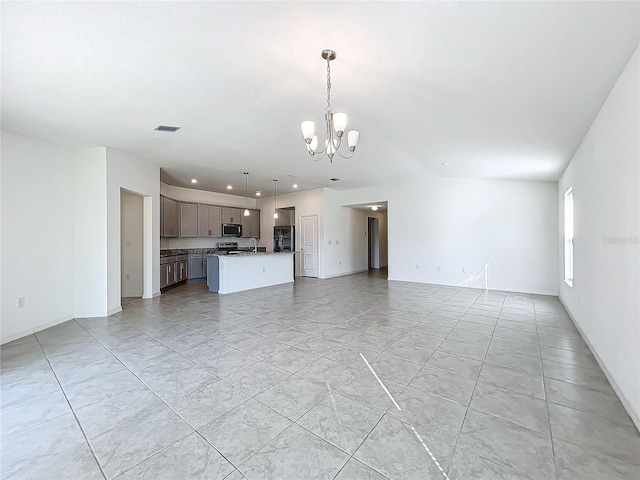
(275, 200)
(246, 193)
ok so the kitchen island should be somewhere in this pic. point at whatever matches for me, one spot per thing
(245, 271)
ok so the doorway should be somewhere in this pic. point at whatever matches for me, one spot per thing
(131, 244)
(374, 242)
(309, 245)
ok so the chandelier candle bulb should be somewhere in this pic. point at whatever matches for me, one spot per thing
(340, 122)
(308, 130)
(352, 139)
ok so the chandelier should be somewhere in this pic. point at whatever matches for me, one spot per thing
(336, 124)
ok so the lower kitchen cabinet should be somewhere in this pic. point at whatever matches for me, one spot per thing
(197, 266)
(173, 270)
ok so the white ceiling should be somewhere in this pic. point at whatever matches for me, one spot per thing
(493, 89)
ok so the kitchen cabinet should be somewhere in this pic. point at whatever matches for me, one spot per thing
(188, 220)
(209, 221)
(170, 217)
(182, 268)
(231, 215)
(173, 270)
(197, 265)
(167, 271)
(251, 225)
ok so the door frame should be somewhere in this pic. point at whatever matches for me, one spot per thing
(299, 233)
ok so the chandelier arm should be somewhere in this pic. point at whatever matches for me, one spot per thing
(317, 158)
(344, 156)
(319, 151)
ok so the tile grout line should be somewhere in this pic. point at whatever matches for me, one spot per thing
(165, 403)
(73, 412)
(546, 398)
(455, 447)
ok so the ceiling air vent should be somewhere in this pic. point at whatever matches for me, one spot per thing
(167, 128)
(334, 179)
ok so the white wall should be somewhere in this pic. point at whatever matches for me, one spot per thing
(131, 244)
(140, 176)
(90, 233)
(345, 247)
(37, 192)
(604, 300)
(461, 224)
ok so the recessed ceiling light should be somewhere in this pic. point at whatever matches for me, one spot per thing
(444, 163)
(258, 194)
(229, 187)
(193, 180)
(295, 185)
(374, 207)
(167, 128)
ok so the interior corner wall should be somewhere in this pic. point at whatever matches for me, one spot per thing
(37, 201)
(89, 214)
(604, 300)
(140, 176)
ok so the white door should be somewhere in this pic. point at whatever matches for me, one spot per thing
(309, 245)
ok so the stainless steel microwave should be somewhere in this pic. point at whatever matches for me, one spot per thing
(231, 230)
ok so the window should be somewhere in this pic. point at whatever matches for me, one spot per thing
(568, 237)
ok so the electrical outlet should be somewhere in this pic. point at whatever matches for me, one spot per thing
(126, 277)
(340, 262)
(264, 269)
(337, 242)
(464, 270)
(21, 302)
(417, 267)
(439, 269)
(329, 242)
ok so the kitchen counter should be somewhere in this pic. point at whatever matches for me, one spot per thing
(169, 252)
(246, 271)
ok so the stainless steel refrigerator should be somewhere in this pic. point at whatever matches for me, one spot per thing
(284, 238)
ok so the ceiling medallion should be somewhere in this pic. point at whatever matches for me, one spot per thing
(336, 124)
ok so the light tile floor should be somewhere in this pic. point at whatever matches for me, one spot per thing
(349, 378)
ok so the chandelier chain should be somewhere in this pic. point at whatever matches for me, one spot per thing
(328, 86)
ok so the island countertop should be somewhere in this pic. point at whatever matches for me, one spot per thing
(246, 254)
(245, 271)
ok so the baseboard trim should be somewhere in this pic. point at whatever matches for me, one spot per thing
(325, 277)
(113, 311)
(635, 418)
(31, 331)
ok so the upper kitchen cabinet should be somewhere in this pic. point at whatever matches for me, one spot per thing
(209, 221)
(251, 225)
(170, 217)
(188, 220)
(231, 215)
